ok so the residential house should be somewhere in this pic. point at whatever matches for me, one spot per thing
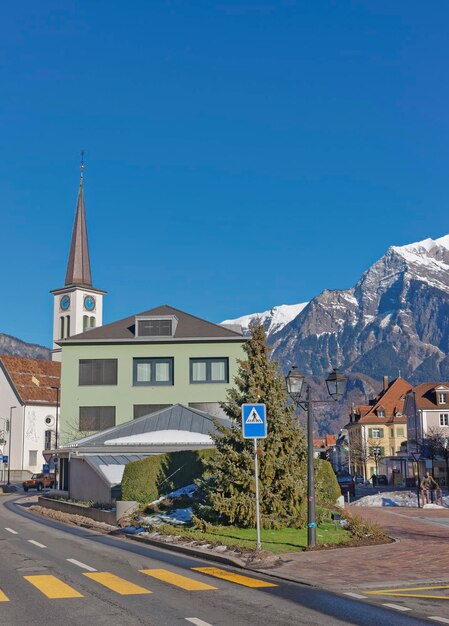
(143, 363)
(427, 412)
(377, 430)
(28, 412)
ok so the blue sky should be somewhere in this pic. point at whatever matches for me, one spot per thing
(238, 154)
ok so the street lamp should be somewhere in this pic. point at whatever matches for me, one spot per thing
(300, 392)
(57, 389)
(10, 437)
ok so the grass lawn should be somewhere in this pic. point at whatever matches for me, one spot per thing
(277, 541)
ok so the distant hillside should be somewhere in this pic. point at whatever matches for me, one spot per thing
(17, 347)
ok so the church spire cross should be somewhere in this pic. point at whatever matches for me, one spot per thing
(78, 267)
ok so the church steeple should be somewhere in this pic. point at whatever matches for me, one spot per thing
(78, 306)
(78, 266)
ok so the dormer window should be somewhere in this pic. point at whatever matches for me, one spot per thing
(380, 412)
(156, 326)
(442, 398)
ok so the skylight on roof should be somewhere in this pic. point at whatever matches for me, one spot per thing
(156, 326)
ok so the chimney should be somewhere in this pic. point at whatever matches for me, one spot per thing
(385, 383)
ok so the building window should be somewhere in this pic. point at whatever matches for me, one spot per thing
(155, 327)
(92, 322)
(85, 323)
(376, 433)
(32, 458)
(380, 413)
(98, 371)
(377, 451)
(48, 438)
(146, 409)
(400, 432)
(441, 398)
(153, 371)
(67, 322)
(444, 419)
(209, 370)
(61, 327)
(96, 417)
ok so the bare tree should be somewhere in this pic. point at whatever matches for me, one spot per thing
(362, 450)
(435, 445)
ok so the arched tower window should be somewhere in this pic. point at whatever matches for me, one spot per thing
(92, 322)
(67, 326)
(61, 327)
(85, 323)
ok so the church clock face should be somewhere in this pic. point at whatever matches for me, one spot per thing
(89, 303)
(64, 303)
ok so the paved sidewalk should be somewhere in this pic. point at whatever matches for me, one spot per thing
(420, 554)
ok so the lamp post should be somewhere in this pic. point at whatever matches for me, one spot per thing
(57, 389)
(9, 447)
(301, 394)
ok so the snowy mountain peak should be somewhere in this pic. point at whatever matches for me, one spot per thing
(273, 320)
(426, 244)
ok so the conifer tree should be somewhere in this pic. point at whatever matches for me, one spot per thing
(227, 490)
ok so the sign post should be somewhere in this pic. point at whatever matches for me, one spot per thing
(254, 426)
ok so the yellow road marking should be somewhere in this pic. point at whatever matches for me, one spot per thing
(3, 597)
(234, 578)
(416, 595)
(117, 584)
(176, 579)
(52, 587)
(382, 591)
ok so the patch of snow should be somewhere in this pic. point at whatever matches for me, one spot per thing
(162, 437)
(393, 498)
(385, 321)
(273, 320)
(188, 491)
(112, 473)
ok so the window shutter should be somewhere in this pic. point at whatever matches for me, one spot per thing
(382, 451)
(381, 432)
(370, 432)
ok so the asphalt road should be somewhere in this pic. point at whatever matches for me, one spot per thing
(55, 574)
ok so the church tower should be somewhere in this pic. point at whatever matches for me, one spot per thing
(77, 306)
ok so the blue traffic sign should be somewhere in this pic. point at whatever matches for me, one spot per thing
(254, 421)
(46, 468)
(5, 459)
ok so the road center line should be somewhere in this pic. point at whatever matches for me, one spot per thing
(197, 622)
(83, 565)
(36, 543)
(355, 595)
(398, 607)
(10, 530)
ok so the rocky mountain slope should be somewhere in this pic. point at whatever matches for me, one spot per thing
(17, 347)
(394, 320)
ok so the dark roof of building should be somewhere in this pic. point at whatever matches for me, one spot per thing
(78, 267)
(426, 396)
(32, 379)
(176, 417)
(124, 330)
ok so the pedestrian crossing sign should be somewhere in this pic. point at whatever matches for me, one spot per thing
(254, 421)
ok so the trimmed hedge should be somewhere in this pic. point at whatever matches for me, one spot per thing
(149, 478)
(326, 483)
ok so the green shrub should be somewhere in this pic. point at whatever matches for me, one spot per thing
(326, 484)
(159, 474)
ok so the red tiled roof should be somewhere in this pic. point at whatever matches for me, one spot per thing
(325, 442)
(426, 396)
(32, 379)
(391, 401)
